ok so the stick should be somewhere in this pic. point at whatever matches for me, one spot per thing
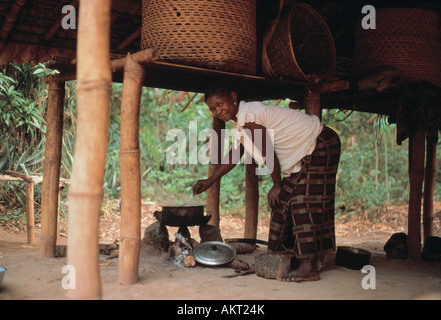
(189, 101)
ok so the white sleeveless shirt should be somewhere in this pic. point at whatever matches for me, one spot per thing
(293, 133)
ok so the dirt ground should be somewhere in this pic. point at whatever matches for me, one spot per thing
(30, 278)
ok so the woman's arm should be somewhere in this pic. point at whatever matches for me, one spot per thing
(268, 152)
(230, 161)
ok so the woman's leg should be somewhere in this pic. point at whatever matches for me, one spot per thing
(311, 208)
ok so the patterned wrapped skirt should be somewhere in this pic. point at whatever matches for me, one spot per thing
(305, 222)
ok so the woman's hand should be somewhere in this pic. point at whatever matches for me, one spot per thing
(201, 186)
(274, 197)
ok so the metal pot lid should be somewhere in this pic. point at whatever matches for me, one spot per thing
(214, 253)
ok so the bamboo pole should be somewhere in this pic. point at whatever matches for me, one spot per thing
(312, 101)
(429, 187)
(51, 170)
(213, 193)
(30, 222)
(86, 190)
(251, 201)
(416, 175)
(130, 173)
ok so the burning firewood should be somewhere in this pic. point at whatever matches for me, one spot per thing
(238, 265)
(193, 242)
(189, 261)
(243, 248)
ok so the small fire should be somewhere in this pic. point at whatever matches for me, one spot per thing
(179, 250)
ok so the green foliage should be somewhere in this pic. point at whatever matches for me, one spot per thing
(23, 95)
(372, 171)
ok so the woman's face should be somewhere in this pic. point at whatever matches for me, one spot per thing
(222, 106)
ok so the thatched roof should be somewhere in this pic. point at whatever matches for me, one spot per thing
(31, 30)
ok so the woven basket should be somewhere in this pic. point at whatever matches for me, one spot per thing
(300, 47)
(406, 39)
(216, 34)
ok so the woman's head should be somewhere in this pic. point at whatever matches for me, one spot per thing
(222, 102)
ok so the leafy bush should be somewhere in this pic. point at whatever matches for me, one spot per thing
(22, 127)
(372, 171)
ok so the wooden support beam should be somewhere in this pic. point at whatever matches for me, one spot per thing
(94, 79)
(213, 193)
(141, 57)
(130, 244)
(51, 170)
(30, 221)
(416, 175)
(312, 101)
(251, 201)
(340, 85)
(429, 187)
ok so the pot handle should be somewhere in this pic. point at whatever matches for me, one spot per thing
(205, 220)
(158, 215)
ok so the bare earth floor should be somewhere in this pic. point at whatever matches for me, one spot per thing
(30, 278)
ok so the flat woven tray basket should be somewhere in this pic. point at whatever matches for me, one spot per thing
(216, 34)
(407, 39)
(300, 47)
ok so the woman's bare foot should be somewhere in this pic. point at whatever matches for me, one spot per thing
(295, 276)
(305, 272)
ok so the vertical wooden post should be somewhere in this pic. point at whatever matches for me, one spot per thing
(30, 223)
(130, 173)
(213, 193)
(312, 101)
(51, 170)
(58, 214)
(251, 201)
(429, 186)
(416, 168)
(94, 79)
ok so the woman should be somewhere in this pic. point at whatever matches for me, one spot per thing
(306, 153)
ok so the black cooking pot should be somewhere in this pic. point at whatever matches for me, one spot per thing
(180, 216)
(352, 258)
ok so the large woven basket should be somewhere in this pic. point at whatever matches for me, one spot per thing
(406, 39)
(216, 34)
(300, 47)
